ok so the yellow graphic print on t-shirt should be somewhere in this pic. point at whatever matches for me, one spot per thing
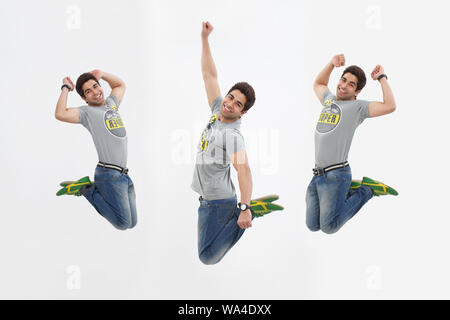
(329, 118)
(114, 124)
(203, 141)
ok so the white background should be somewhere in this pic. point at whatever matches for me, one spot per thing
(61, 248)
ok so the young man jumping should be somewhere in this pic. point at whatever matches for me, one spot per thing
(112, 193)
(221, 220)
(332, 198)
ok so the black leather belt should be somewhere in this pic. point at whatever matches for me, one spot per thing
(112, 166)
(321, 172)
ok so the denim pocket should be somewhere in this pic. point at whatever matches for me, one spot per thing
(339, 175)
(333, 177)
(204, 204)
(225, 212)
(203, 210)
(105, 175)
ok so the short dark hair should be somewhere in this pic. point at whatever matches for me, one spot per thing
(247, 91)
(85, 77)
(358, 73)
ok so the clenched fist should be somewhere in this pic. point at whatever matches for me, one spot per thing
(245, 219)
(207, 28)
(378, 71)
(69, 82)
(97, 74)
(338, 60)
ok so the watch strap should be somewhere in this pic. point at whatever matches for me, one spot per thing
(241, 204)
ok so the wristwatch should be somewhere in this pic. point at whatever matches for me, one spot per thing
(243, 206)
(67, 86)
(382, 76)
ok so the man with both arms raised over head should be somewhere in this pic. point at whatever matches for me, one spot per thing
(332, 198)
(112, 194)
(221, 221)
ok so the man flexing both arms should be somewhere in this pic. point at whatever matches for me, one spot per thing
(332, 199)
(112, 194)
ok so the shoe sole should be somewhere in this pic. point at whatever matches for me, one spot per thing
(260, 209)
(379, 187)
(73, 188)
(66, 183)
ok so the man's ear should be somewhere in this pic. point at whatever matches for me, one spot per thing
(357, 93)
(243, 112)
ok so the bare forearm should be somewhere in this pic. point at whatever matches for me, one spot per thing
(113, 81)
(245, 184)
(324, 76)
(388, 95)
(61, 106)
(208, 65)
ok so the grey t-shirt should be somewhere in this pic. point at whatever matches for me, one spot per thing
(336, 127)
(219, 140)
(107, 130)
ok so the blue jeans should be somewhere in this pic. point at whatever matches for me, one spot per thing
(113, 196)
(330, 202)
(218, 230)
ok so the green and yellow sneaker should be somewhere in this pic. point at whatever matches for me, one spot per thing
(262, 206)
(379, 188)
(73, 187)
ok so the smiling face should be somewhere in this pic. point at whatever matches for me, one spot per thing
(232, 106)
(93, 93)
(346, 89)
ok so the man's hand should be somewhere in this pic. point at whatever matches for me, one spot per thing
(338, 60)
(98, 74)
(69, 82)
(378, 71)
(207, 28)
(245, 219)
